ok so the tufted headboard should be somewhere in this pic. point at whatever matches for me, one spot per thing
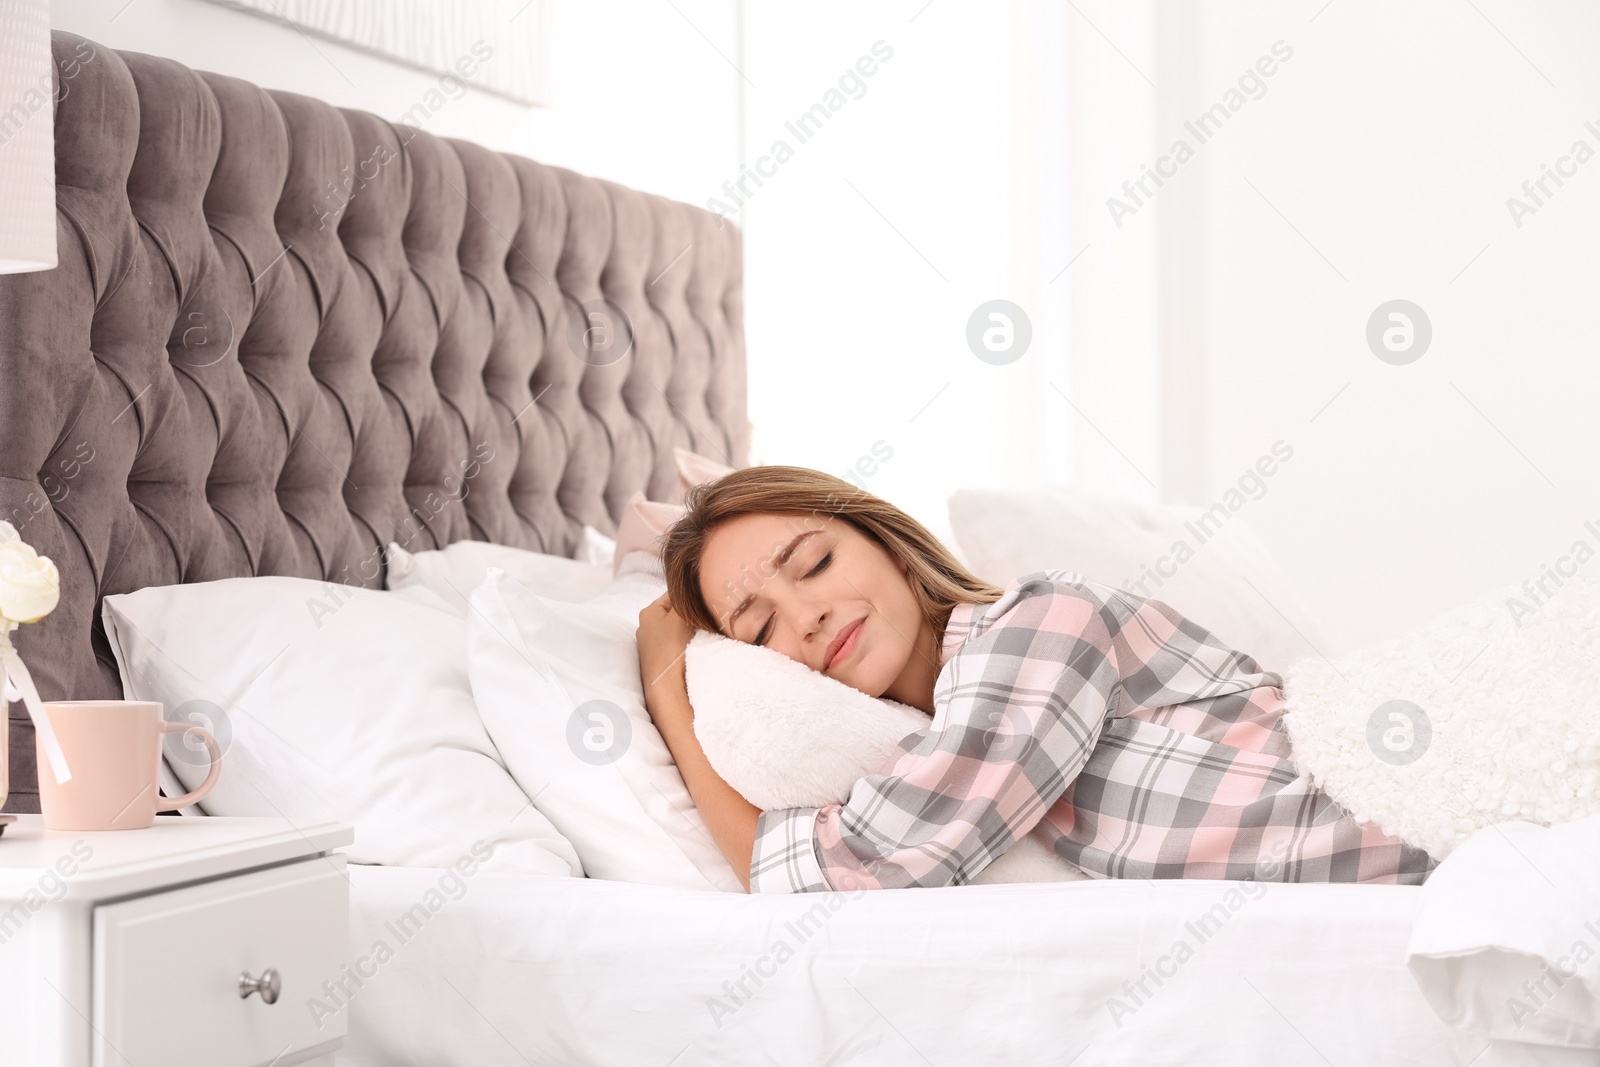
(283, 334)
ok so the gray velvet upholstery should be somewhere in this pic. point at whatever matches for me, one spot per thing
(283, 334)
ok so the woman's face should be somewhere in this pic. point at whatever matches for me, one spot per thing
(798, 582)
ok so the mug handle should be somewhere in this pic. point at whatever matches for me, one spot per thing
(196, 795)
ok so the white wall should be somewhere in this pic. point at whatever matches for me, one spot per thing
(1110, 47)
(640, 97)
(1391, 142)
(940, 188)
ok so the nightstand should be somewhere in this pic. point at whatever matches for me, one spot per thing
(195, 942)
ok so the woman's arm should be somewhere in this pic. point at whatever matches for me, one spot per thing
(730, 817)
(662, 637)
(1019, 707)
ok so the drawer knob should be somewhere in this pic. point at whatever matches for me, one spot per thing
(268, 985)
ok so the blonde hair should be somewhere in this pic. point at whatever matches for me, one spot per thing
(938, 580)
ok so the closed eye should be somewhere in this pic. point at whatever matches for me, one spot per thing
(766, 631)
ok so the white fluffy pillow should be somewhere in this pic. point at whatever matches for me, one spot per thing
(559, 690)
(786, 736)
(333, 702)
(1230, 584)
(456, 570)
(1482, 714)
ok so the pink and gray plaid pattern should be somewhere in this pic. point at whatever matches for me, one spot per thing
(1125, 736)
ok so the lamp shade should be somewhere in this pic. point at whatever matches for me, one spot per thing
(27, 138)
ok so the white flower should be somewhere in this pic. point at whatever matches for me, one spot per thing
(29, 583)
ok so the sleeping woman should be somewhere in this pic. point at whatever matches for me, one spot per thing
(1124, 735)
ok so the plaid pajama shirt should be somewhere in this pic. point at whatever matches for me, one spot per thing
(1126, 737)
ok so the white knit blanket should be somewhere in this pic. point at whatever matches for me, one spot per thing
(1487, 713)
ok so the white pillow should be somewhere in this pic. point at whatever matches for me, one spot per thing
(333, 702)
(1506, 941)
(457, 569)
(596, 548)
(1226, 580)
(1483, 713)
(639, 580)
(786, 736)
(558, 687)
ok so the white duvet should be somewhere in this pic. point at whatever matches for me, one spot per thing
(519, 970)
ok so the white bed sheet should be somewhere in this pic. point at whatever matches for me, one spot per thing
(518, 969)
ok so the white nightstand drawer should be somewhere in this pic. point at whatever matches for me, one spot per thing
(167, 968)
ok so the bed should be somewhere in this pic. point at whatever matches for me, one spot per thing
(216, 382)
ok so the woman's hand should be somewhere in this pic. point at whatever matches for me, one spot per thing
(663, 635)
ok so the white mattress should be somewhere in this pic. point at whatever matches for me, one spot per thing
(518, 969)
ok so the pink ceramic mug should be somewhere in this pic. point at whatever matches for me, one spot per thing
(113, 748)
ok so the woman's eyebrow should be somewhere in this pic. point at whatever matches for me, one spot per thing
(782, 557)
